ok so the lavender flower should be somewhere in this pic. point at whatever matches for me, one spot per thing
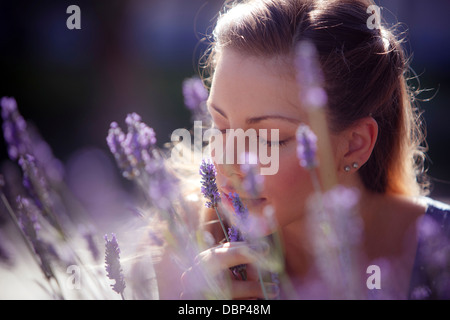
(112, 264)
(306, 147)
(33, 181)
(195, 93)
(138, 143)
(139, 160)
(14, 129)
(133, 150)
(139, 137)
(252, 182)
(235, 232)
(23, 139)
(37, 187)
(39, 190)
(309, 76)
(209, 186)
(239, 209)
(210, 191)
(28, 222)
(115, 140)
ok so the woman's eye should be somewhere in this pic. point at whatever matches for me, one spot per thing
(274, 143)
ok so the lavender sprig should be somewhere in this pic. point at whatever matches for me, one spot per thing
(140, 139)
(39, 190)
(24, 139)
(209, 190)
(139, 160)
(309, 76)
(195, 95)
(306, 147)
(313, 97)
(236, 233)
(28, 222)
(307, 152)
(133, 149)
(115, 141)
(209, 186)
(14, 129)
(252, 182)
(112, 264)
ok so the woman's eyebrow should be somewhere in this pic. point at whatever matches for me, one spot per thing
(253, 120)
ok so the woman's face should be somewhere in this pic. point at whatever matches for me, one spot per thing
(259, 93)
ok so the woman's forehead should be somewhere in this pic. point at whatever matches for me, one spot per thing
(266, 83)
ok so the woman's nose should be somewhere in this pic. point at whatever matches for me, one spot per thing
(231, 154)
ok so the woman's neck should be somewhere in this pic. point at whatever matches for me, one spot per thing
(388, 236)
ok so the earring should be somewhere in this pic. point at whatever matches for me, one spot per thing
(354, 165)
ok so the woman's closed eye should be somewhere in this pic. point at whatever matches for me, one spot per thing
(261, 139)
(274, 143)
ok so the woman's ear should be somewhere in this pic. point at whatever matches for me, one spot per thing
(357, 144)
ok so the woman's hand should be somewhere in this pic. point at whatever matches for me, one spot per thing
(212, 267)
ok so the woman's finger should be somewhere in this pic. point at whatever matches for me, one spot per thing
(252, 290)
(220, 258)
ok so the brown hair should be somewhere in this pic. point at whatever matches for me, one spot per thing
(364, 69)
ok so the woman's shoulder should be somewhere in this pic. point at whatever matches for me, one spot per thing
(435, 206)
(438, 212)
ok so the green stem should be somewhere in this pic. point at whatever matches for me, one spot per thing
(263, 288)
(222, 225)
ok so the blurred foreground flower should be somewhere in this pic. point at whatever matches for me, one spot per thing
(335, 228)
(252, 181)
(306, 147)
(28, 220)
(14, 129)
(309, 76)
(195, 95)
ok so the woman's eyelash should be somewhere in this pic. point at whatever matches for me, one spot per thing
(275, 143)
(262, 140)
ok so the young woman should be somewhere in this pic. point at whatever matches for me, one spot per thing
(376, 138)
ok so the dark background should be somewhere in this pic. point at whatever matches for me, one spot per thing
(132, 56)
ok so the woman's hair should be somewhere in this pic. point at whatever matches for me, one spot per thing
(365, 72)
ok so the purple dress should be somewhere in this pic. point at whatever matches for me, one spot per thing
(431, 272)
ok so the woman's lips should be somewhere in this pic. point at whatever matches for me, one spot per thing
(248, 202)
(252, 203)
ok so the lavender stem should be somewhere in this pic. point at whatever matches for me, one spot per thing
(222, 225)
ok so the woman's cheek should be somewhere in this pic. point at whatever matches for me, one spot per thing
(288, 189)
